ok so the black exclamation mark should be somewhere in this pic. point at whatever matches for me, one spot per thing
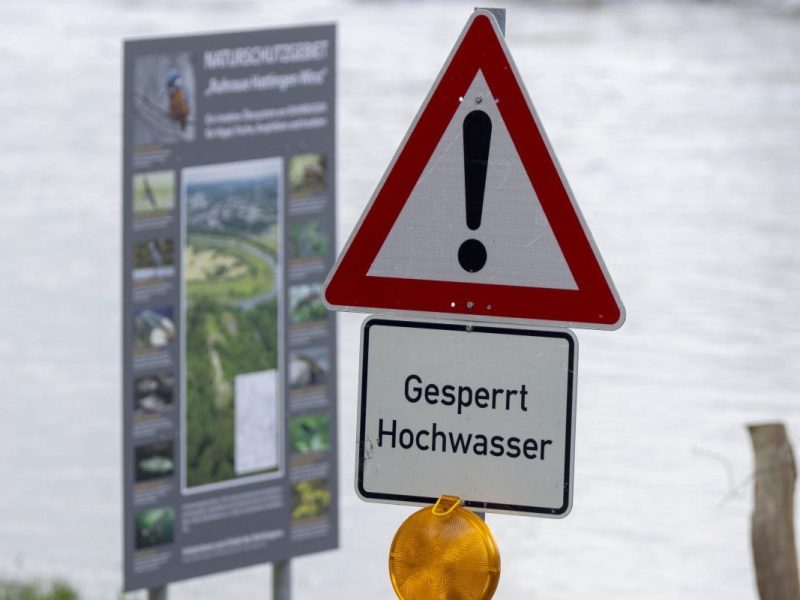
(477, 137)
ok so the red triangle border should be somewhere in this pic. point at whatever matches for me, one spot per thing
(593, 304)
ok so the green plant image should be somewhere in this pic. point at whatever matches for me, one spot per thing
(308, 239)
(153, 194)
(231, 325)
(307, 174)
(154, 460)
(155, 527)
(221, 342)
(309, 433)
(153, 253)
(310, 499)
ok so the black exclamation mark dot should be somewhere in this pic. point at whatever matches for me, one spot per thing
(477, 137)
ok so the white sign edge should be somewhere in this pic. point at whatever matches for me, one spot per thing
(470, 505)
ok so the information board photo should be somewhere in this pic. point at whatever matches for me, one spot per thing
(229, 354)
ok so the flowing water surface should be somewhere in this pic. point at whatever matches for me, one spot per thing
(678, 126)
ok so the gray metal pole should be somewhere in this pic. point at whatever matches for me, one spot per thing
(157, 593)
(499, 16)
(282, 580)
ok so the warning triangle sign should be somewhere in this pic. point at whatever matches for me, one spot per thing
(473, 218)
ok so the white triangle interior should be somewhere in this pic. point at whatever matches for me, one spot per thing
(521, 247)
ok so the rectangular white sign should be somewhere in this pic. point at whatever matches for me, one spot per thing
(485, 413)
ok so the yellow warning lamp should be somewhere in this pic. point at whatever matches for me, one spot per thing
(444, 552)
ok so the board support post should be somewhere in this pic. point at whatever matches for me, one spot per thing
(158, 593)
(282, 580)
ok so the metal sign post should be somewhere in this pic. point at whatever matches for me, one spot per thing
(158, 593)
(499, 15)
(282, 580)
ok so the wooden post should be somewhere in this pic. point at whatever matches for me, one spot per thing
(772, 534)
(499, 15)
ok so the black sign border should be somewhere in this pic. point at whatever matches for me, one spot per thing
(465, 327)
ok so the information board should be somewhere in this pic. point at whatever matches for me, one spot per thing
(229, 355)
(484, 413)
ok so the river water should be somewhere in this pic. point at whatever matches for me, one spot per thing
(678, 126)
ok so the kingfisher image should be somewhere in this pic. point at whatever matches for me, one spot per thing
(163, 99)
(178, 103)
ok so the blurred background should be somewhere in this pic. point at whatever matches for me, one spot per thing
(678, 127)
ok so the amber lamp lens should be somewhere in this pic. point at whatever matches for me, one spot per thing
(444, 552)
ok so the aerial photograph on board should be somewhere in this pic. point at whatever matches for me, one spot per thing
(231, 276)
